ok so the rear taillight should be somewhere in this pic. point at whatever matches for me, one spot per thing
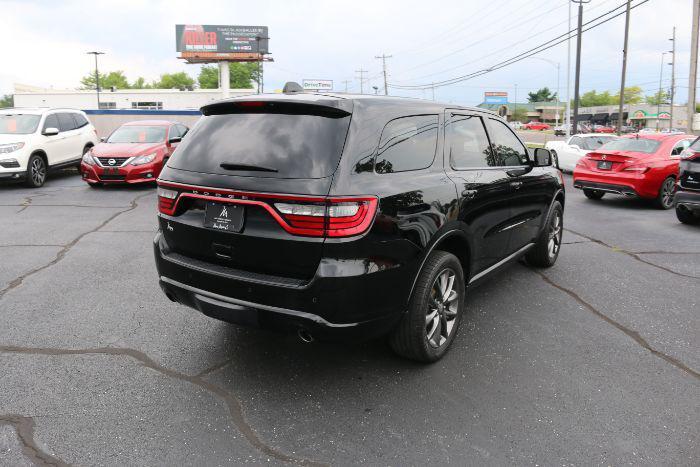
(166, 200)
(298, 215)
(336, 217)
(641, 169)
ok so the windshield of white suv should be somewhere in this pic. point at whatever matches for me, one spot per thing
(594, 142)
(18, 124)
(137, 134)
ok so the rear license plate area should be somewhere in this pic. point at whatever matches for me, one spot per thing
(604, 165)
(225, 217)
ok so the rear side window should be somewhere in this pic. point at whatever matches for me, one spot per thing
(282, 145)
(80, 120)
(407, 143)
(468, 143)
(65, 122)
(507, 148)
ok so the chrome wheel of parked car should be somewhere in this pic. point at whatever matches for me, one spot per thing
(442, 308)
(666, 192)
(36, 171)
(555, 234)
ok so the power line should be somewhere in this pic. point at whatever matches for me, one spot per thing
(362, 79)
(517, 58)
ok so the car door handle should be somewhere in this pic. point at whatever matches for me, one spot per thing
(517, 172)
(516, 185)
(469, 194)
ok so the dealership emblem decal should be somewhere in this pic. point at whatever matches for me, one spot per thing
(224, 212)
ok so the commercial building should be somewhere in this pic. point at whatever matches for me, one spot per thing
(639, 115)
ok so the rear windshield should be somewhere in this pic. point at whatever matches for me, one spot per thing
(18, 124)
(137, 134)
(645, 145)
(594, 142)
(264, 145)
(695, 146)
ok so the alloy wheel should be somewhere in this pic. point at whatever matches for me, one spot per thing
(38, 171)
(555, 234)
(667, 192)
(442, 310)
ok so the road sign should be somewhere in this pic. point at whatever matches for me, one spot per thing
(317, 84)
(496, 97)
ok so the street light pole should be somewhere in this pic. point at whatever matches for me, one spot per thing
(568, 79)
(660, 95)
(577, 79)
(97, 76)
(693, 74)
(624, 70)
(673, 77)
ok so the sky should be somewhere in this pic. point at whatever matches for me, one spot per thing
(44, 43)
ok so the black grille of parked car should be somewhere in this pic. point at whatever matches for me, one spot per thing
(118, 161)
(9, 164)
(112, 177)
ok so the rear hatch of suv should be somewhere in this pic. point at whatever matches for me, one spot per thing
(247, 188)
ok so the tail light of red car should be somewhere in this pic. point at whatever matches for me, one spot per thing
(637, 168)
(299, 215)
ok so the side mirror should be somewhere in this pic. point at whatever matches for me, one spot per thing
(103, 139)
(543, 158)
(175, 139)
(50, 131)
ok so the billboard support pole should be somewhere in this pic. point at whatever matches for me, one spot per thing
(224, 79)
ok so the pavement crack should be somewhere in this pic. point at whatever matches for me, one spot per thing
(28, 200)
(67, 247)
(634, 335)
(214, 368)
(232, 402)
(24, 426)
(632, 255)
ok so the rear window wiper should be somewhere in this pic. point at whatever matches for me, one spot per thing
(247, 167)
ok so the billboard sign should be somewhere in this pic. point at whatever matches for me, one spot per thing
(221, 39)
(495, 97)
(317, 84)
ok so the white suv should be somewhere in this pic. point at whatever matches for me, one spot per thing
(34, 141)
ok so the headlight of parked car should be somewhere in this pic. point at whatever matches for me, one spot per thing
(12, 147)
(144, 159)
(87, 158)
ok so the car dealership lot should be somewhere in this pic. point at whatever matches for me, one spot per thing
(595, 360)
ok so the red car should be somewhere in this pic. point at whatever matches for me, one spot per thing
(539, 126)
(603, 129)
(134, 153)
(634, 165)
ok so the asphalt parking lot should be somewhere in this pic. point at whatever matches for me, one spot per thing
(594, 361)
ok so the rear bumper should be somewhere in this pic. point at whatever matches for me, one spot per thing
(628, 184)
(335, 304)
(688, 199)
(146, 173)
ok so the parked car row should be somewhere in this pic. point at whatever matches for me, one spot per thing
(35, 142)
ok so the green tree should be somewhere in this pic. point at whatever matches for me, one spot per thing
(113, 78)
(8, 100)
(541, 95)
(519, 115)
(594, 98)
(242, 76)
(659, 97)
(174, 81)
(140, 83)
(633, 95)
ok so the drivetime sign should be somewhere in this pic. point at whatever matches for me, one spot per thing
(317, 84)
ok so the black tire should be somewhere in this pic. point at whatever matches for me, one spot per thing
(664, 200)
(94, 185)
(686, 216)
(36, 171)
(555, 159)
(593, 194)
(411, 338)
(546, 251)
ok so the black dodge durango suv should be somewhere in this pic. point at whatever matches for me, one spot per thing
(339, 216)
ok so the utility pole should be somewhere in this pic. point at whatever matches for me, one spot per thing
(432, 88)
(673, 77)
(568, 79)
(383, 57)
(693, 75)
(515, 102)
(346, 82)
(624, 70)
(362, 79)
(97, 76)
(577, 79)
(660, 96)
